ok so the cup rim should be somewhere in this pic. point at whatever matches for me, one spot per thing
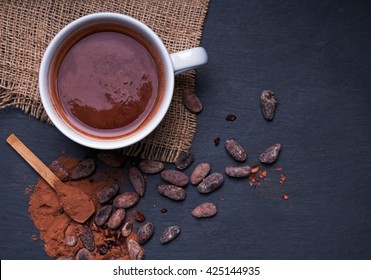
(72, 133)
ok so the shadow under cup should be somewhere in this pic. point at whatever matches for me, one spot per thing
(107, 82)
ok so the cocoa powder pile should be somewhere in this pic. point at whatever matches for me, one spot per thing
(62, 236)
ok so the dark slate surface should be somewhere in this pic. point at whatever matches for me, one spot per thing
(316, 56)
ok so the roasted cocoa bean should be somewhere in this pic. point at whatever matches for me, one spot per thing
(172, 192)
(70, 235)
(102, 216)
(268, 104)
(127, 228)
(113, 159)
(145, 232)
(116, 218)
(184, 160)
(200, 173)
(270, 155)
(175, 177)
(235, 150)
(210, 183)
(59, 171)
(231, 118)
(169, 234)
(205, 210)
(126, 200)
(137, 180)
(83, 254)
(151, 166)
(191, 101)
(136, 252)
(84, 169)
(102, 250)
(238, 171)
(107, 193)
(87, 238)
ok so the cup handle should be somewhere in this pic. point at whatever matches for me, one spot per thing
(188, 59)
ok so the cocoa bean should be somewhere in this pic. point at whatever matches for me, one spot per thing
(137, 180)
(169, 234)
(136, 252)
(87, 238)
(107, 193)
(83, 254)
(151, 166)
(238, 171)
(270, 155)
(191, 101)
(175, 177)
(145, 232)
(126, 200)
(199, 173)
(184, 160)
(83, 170)
(127, 228)
(113, 159)
(172, 192)
(102, 216)
(59, 171)
(210, 183)
(235, 150)
(268, 104)
(70, 235)
(116, 218)
(204, 210)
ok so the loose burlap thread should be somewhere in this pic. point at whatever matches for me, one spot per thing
(27, 26)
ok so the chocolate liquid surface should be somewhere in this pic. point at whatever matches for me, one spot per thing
(107, 84)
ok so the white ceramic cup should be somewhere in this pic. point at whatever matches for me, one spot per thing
(172, 64)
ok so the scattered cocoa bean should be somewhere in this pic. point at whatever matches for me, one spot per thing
(116, 218)
(145, 232)
(210, 183)
(139, 217)
(136, 252)
(102, 250)
(175, 177)
(200, 172)
(191, 101)
(169, 234)
(268, 104)
(59, 171)
(107, 193)
(87, 238)
(83, 254)
(184, 160)
(84, 169)
(113, 159)
(270, 155)
(151, 166)
(126, 200)
(235, 150)
(238, 171)
(163, 210)
(103, 214)
(204, 210)
(127, 228)
(172, 192)
(231, 118)
(70, 235)
(137, 180)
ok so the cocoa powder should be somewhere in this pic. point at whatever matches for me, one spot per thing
(52, 223)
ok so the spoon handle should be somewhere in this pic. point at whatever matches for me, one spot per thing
(33, 160)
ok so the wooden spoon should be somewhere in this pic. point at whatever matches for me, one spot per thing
(75, 202)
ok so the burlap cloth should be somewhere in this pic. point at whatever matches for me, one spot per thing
(27, 26)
